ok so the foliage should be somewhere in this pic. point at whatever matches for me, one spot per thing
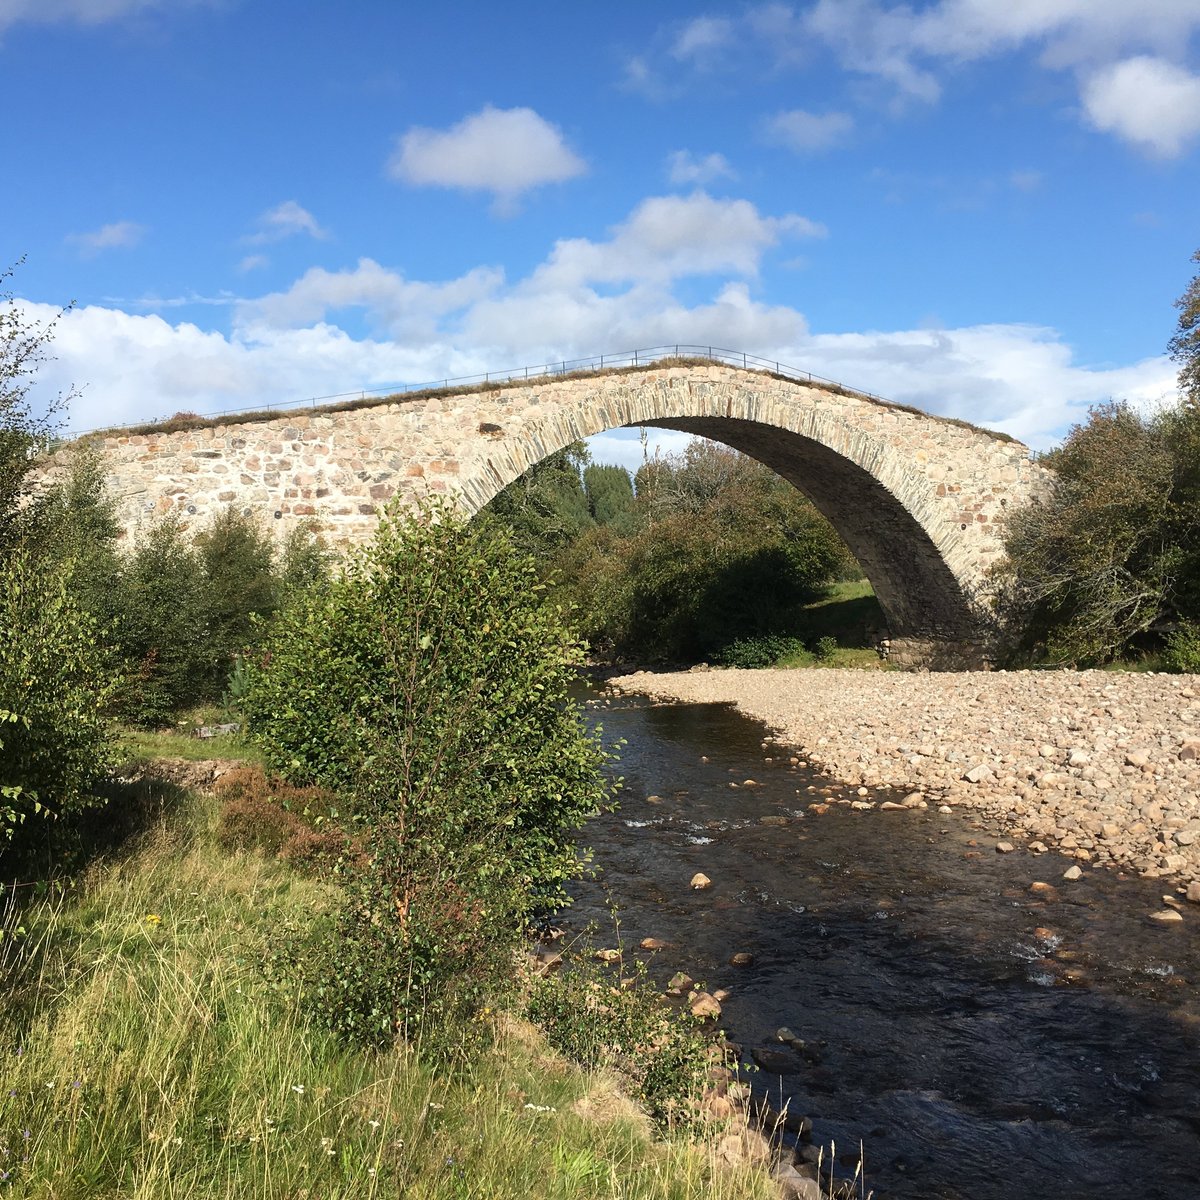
(1111, 556)
(724, 550)
(546, 508)
(163, 629)
(178, 1071)
(660, 1052)
(53, 696)
(23, 431)
(762, 651)
(236, 559)
(824, 648)
(1183, 648)
(610, 496)
(1184, 347)
(274, 818)
(428, 684)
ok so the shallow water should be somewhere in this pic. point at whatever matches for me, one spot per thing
(972, 1056)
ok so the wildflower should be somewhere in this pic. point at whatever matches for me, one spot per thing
(541, 1108)
(373, 1124)
(153, 919)
(327, 1145)
(371, 1171)
(298, 1088)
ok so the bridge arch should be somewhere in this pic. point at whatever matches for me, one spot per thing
(919, 500)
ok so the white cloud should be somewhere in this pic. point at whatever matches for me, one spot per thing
(908, 47)
(585, 298)
(253, 262)
(283, 221)
(115, 236)
(667, 237)
(805, 131)
(503, 151)
(623, 447)
(683, 168)
(82, 12)
(701, 38)
(1147, 101)
(407, 310)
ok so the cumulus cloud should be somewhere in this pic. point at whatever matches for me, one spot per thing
(908, 48)
(503, 151)
(701, 38)
(667, 237)
(805, 131)
(587, 297)
(407, 310)
(283, 221)
(115, 236)
(1147, 101)
(683, 167)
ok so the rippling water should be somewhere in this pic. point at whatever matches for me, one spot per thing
(982, 1041)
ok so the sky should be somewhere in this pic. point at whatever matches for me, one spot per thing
(984, 208)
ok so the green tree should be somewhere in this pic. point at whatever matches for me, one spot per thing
(1184, 347)
(429, 684)
(238, 584)
(163, 629)
(547, 507)
(609, 491)
(54, 696)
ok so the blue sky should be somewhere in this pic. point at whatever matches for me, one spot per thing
(982, 207)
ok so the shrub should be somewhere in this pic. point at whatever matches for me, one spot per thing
(54, 696)
(660, 1052)
(428, 684)
(276, 819)
(765, 651)
(1183, 649)
(162, 629)
(824, 648)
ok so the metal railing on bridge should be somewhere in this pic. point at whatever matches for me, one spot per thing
(645, 357)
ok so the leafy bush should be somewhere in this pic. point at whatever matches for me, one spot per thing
(1183, 649)
(276, 819)
(765, 651)
(54, 695)
(824, 648)
(1101, 565)
(660, 1052)
(428, 685)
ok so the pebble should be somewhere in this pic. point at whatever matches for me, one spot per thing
(705, 1006)
(1167, 914)
(742, 959)
(1127, 776)
(1004, 847)
(700, 881)
(1072, 873)
(653, 943)
(1193, 891)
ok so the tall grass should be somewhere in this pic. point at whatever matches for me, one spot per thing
(145, 1054)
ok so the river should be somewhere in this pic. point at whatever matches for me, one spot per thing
(981, 1040)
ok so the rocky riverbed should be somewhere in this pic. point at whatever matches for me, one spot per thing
(1101, 765)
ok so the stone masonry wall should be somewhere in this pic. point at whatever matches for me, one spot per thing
(931, 481)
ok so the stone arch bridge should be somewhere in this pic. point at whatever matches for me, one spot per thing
(918, 499)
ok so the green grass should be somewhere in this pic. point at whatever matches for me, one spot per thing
(181, 742)
(849, 614)
(144, 1054)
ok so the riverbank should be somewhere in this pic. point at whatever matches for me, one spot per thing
(1100, 765)
(146, 1051)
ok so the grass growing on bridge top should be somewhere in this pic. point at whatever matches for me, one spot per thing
(183, 422)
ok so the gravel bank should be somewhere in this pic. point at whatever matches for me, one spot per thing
(1101, 765)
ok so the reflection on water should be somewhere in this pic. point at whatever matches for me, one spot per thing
(981, 1040)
